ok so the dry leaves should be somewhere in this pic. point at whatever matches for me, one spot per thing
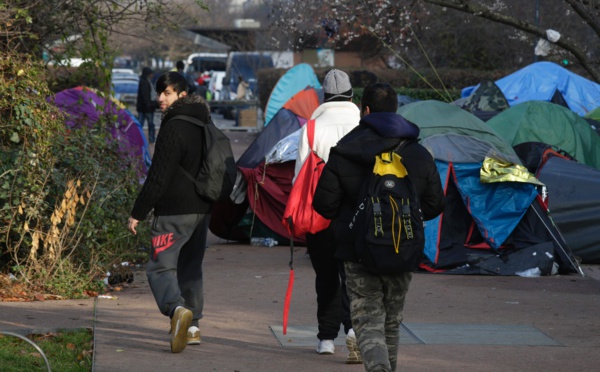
(11, 291)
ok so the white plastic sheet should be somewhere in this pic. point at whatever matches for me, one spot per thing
(285, 150)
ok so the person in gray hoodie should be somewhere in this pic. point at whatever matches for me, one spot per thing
(376, 301)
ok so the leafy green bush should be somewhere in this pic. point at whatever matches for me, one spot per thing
(65, 195)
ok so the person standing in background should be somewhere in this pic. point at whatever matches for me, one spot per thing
(190, 81)
(242, 89)
(146, 102)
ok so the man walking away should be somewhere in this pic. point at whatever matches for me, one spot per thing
(376, 301)
(181, 217)
(333, 119)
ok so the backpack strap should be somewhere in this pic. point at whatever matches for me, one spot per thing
(403, 142)
(197, 122)
(191, 119)
(310, 133)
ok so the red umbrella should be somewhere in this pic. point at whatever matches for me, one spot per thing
(288, 293)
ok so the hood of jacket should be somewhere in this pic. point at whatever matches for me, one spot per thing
(190, 105)
(390, 124)
(334, 106)
(376, 132)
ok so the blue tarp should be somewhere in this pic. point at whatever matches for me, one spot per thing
(496, 208)
(541, 80)
(296, 79)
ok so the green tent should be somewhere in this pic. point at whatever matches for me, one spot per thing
(539, 121)
(594, 114)
(438, 118)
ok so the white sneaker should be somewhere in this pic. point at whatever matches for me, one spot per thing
(351, 333)
(325, 347)
(193, 336)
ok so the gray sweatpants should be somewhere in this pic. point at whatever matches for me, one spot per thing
(174, 268)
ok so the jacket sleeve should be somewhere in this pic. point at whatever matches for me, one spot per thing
(432, 196)
(329, 193)
(144, 100)
(165, 162)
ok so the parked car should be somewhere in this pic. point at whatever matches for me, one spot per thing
(126, 71)
(126, 90)
(124, 76)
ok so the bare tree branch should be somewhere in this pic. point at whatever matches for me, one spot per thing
(478, 10)
(585, 14)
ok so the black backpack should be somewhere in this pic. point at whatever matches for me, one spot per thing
(388, 222)
(216, 177)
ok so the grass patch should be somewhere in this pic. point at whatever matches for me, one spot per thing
(65, 350)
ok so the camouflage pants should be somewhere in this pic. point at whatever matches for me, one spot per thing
(376, 303)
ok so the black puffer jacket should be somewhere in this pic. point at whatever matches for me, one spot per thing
(353, 158)
(179, 144)
(144, 101)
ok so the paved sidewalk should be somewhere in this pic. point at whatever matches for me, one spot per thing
(472, 323)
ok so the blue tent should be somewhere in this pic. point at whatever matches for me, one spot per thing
(485, 218)
(543, 81)
(293, 81)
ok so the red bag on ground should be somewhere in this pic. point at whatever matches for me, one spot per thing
(299, 206)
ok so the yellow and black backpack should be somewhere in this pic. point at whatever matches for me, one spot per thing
(388, 222)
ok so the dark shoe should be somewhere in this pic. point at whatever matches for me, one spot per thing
(181, 321)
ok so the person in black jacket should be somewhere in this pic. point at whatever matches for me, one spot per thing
(146, 102)
(180, 66)
(376, 301)
(180, 223)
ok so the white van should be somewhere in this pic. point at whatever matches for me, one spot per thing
(198, 63)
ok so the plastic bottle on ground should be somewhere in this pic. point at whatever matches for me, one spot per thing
(264, 242)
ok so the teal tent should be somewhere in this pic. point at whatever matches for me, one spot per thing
(436, 117)
(540, 121)
(293, 81)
